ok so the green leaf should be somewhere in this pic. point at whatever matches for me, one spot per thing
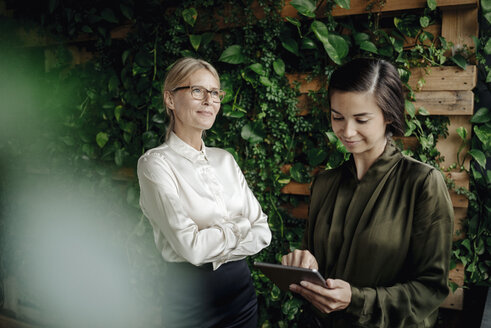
(410, 109)
(320, 30)
(431, 4)
(125, 55)
(483, 115)
(186, 53)
(251, 134)
(424, 21)
(345, 4)
(126, 11)
(101, 138)
(368, 46)
(423, 111)
(459, 60)
(462, 132)
(336, 46)
(190, 15)
(232, 55)
(297, 172)
(195, 40)
(108, 15)
(265, 81)
(483, 133)
(304, 7)
(308, 44)
(52, 5)
(87, 29)
(360, 37)
(488, 17)
(258, 68)
(150, 139)
(206, 38)
(119, 157)
(486, 6)
(290, 45)
(293, 21)
(386, 51)
(488, 77)
(279, 67)
(316, 156)
(487, 47)
(479, 157)
(117, 112)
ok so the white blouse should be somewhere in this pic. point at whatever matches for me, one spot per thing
(199, 205)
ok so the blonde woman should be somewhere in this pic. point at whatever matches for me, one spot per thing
(204, 216)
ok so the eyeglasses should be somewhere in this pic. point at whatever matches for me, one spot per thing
(198, 92)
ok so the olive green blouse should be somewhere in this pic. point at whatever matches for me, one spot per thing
(389, 235)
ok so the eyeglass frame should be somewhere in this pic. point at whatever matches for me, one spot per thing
(201, 87)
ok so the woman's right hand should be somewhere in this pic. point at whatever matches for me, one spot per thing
(300, 258)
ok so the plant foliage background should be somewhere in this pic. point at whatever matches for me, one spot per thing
(80, 128)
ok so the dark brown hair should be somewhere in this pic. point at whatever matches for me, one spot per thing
(376, 76)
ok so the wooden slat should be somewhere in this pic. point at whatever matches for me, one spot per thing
(6, 322)
(448, 147)
(296, 188)
(445, 102)
(446, 78)
(460, 215)
(408, 142)
(306, 82)
(360, 6)
(457, 275)
(454, 301)
(459, 26)
(124, 174)
(435, 29)
(304, 104)
(301, 211)
(38, 38)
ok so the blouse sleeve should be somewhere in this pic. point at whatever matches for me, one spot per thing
(159, 200)
(405, 303)
(259, 235)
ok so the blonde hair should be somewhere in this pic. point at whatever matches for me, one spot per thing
(180, 72)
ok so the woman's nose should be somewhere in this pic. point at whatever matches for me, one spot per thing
(207, 99)
(349, 130)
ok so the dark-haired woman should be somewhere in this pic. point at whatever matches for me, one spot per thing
(380, 225)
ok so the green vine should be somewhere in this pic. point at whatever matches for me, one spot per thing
(116, 111)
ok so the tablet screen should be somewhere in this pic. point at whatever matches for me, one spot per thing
(283, 275)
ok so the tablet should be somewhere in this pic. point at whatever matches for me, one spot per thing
(284, 275)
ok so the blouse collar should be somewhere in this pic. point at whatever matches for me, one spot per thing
(184, 149)
(382, 164)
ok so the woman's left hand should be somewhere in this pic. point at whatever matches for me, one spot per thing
(334, 298)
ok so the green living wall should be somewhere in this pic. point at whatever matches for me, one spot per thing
(96, 118)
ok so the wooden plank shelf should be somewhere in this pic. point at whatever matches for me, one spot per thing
(445, 102)
(444, 78)
(7, 322)
(435, 102)
(359, 7)
(455, 300)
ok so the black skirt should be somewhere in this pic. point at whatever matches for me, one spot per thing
(201, 297)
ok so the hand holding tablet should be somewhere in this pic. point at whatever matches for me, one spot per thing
(283, 275)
